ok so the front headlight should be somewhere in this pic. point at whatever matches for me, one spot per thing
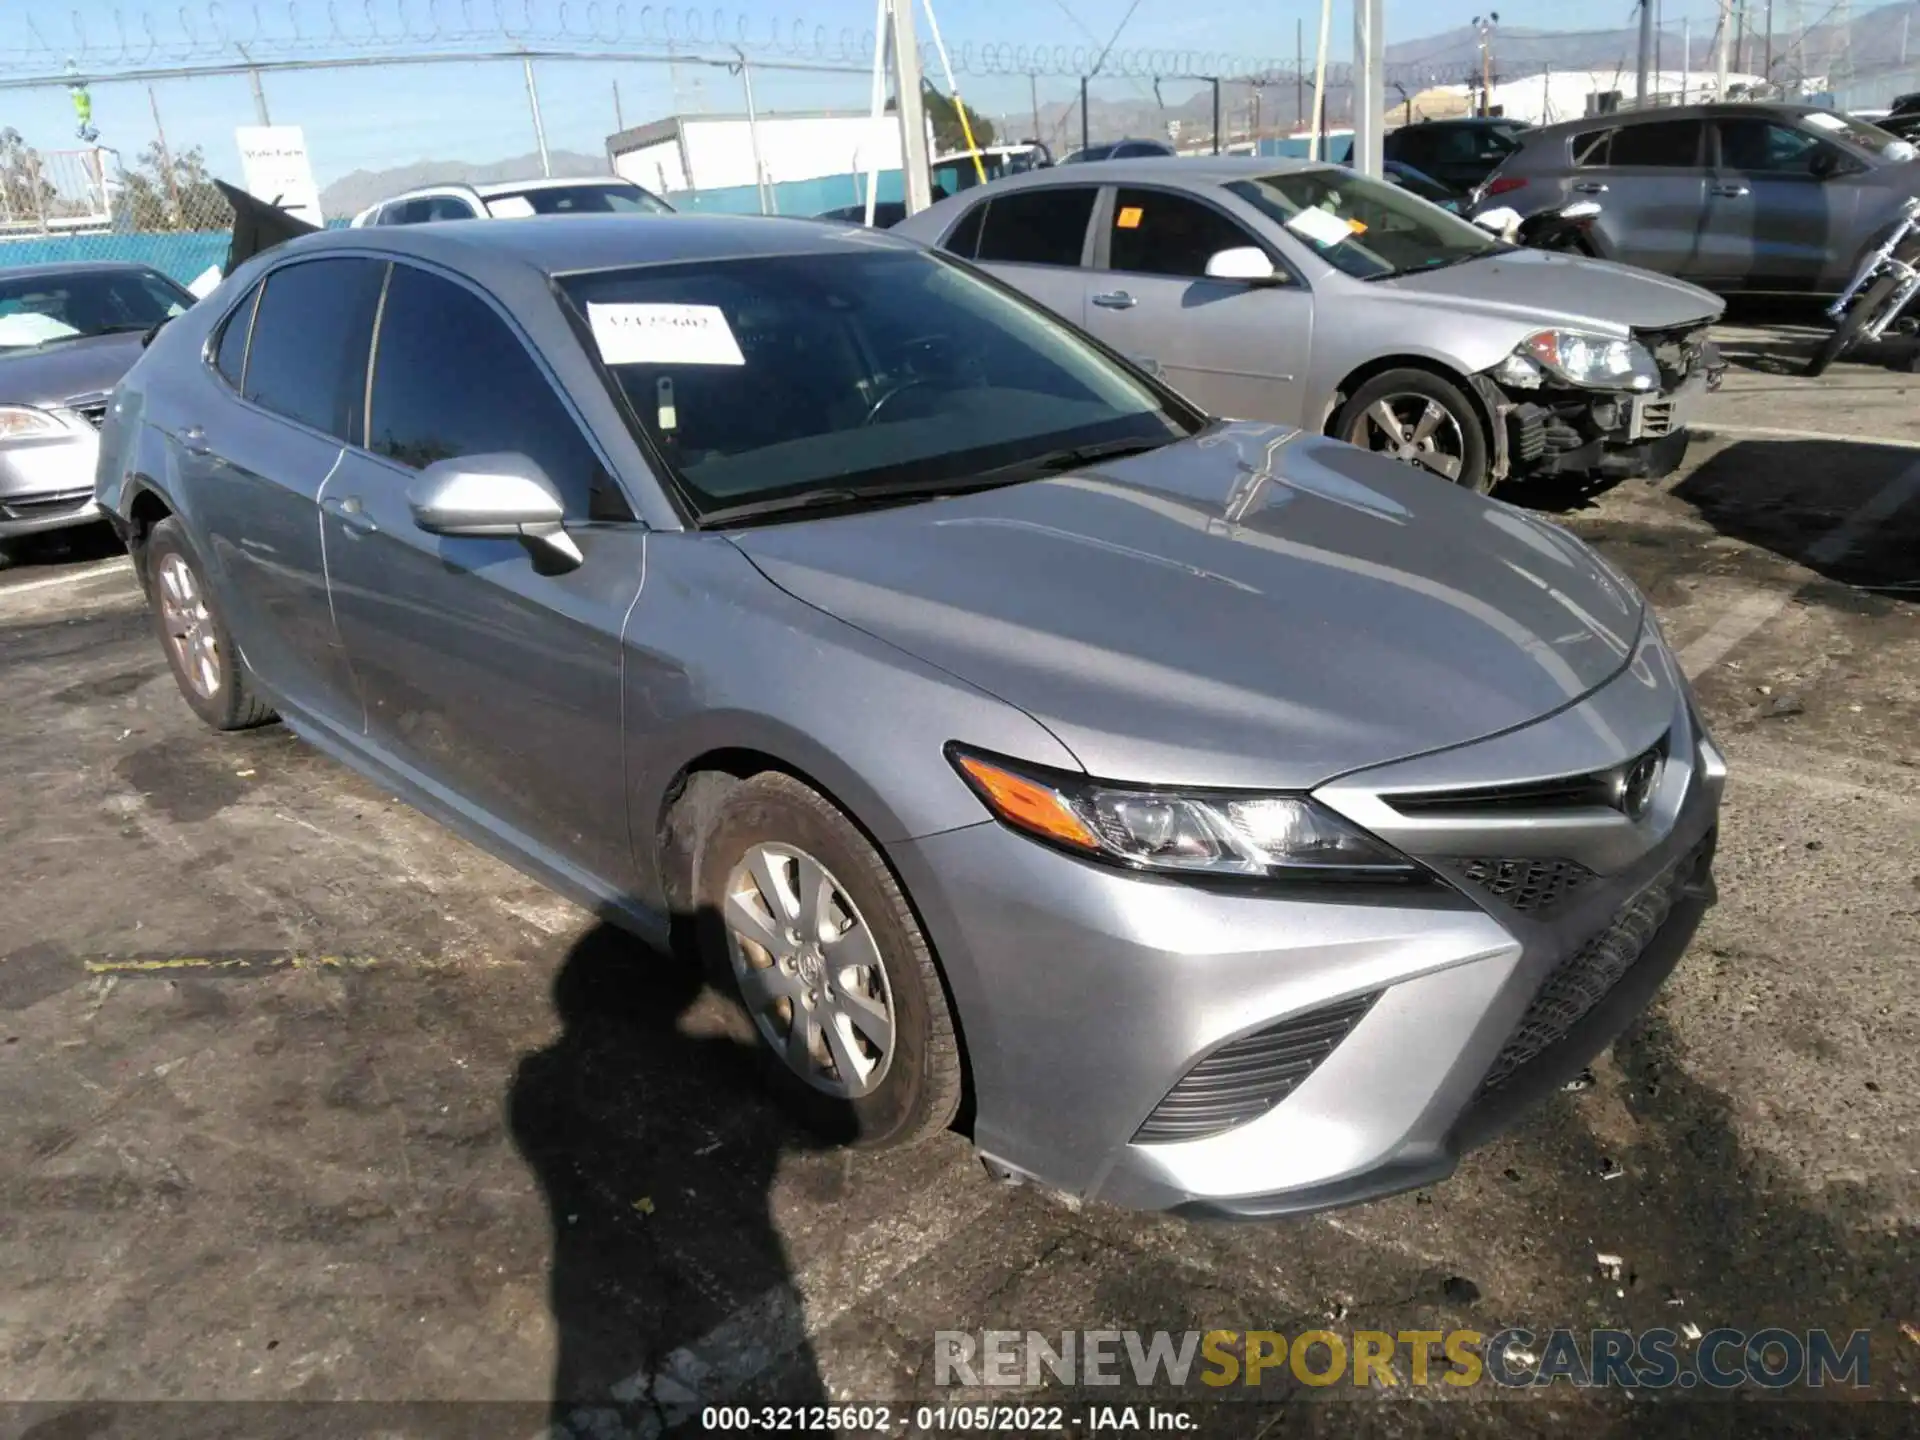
(17, 422)
(1219, 833)
(1595, 361)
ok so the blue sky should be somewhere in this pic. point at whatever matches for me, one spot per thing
(380, 117)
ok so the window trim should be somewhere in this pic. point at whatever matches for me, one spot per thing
(1103, 247)
(545, 370)
(1088, 239)
(210, 347)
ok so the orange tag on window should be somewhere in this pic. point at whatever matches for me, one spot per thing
(1129, 217)
(1359, 227)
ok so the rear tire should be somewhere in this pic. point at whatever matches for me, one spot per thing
(206, 665)
(834, 952)
(1453, 439)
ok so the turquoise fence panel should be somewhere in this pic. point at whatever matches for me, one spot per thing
(181, 255)
(790, 197)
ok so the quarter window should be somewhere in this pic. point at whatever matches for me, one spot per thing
(1661, 144)
(964, 239)
(450, 378)
(230, 359)
(1156, 232)
(1037, 227)
(308, 357)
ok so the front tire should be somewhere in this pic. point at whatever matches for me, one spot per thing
(803, 923)
(1417, 417)
(205, 663)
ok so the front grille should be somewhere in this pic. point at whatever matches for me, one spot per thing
(1599, 789)
(1245, 1078)
(1676, 350)
(94, 414)
(1652, 418)
(36, 507)
(1525, 885)
(1584, 978)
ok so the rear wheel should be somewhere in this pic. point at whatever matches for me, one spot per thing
(1418, 417)
(803, 922)
(205, 664)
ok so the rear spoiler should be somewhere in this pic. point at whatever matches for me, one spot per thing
(257, 226)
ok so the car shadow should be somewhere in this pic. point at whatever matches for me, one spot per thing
(650, 1129)
(1849, 512)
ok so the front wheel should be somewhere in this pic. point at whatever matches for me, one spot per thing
(1418, 417)
(802, 920)
(1854, 323)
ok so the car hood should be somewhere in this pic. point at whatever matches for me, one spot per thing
(1547, 288)
(1253, 607)
(67, 370)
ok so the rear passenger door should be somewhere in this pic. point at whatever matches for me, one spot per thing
(493, 686)
(1036, 239)
(1231, 348)
(1650, 179)
(285, 385)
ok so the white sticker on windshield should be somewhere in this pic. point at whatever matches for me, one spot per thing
(1822, 120)
(1320, 226)
(663, 335)
(510, 207)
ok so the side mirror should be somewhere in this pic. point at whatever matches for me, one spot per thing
(1502, 220)
(494, 496)
(1242, 262)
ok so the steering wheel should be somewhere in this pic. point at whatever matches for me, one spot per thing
(873, 411)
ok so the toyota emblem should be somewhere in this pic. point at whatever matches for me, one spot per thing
(1636, 787)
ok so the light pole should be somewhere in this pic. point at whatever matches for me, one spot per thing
(1484, 25)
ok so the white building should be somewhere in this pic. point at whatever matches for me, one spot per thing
(1555, 95)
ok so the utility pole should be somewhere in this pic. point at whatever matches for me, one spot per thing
(539, 130)
(1299, 73)
(1369, 86)
(1686, 56)
(913, 116)
(166, 159)
(1320, 82)
(1484, 24)
(1216, 114)
(1740, 36)
(1766, 68)
(1084, 141)
(1646, 51)
(619, 120)
(1720, 38)
(1033, 94)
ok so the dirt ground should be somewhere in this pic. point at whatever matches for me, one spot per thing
(302, 1099)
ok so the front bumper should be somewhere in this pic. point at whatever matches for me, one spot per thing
(46, 483)
(1086, 995)
(1615, 436)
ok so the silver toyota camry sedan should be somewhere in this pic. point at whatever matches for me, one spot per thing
(1237, 821)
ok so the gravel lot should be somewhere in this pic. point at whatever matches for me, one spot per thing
(302, 1099)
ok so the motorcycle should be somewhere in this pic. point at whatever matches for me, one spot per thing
(1565, 228)
(1885, 281)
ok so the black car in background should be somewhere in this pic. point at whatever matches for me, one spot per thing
(1458, 153)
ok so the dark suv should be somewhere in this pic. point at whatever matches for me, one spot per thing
(1460, 153)
(1734, 197)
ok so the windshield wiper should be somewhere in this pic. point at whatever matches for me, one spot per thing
(838, 496)
(1442, 264)
(1074, 457)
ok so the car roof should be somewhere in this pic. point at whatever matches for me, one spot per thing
(1438, 122)
(51, 269)
(548, 182)
(1710, 111)
(562, 244)
(1194, 171)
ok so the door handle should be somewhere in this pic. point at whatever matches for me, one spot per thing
(1592, 187)
(1732, 192)
(1115, 300)
(193, 440)
(348, 511)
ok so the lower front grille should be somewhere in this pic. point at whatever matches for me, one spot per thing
(1245, 1078)
(94, 414)
(35, 507)
(1586, 977)
(1526, 885)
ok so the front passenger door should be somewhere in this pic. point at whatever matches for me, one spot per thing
(494, 686)
(1231, 348)
(1771, 207)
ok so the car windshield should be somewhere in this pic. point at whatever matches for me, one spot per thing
(44, 309)
(867, 371)
(1366, 227)
(592, 199)
(1870, 138)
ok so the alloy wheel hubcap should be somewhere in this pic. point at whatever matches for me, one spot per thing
(189, 627)
(1414, 429)
(809, 970)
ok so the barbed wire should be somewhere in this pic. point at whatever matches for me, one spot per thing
(213, 32)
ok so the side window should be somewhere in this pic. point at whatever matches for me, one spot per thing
(1762, 145)
(1590, 147)
(1037, 227)
(451, 378)
(230, 357)
(964, 239)
(308, 358)
(1156, 232)
(446, 207)
(1663, 144)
